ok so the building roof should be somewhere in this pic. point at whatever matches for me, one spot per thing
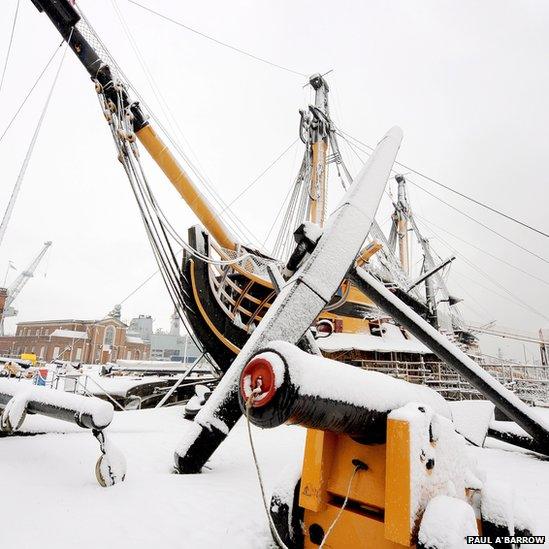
(134, 339)
(72, 334)
(64, 321)
(72, 321)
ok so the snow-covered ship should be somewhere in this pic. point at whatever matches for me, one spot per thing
(223, 287)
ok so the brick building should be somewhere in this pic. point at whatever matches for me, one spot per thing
(87, 341)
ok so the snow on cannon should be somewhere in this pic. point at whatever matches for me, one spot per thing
(383, 466)
(17, 399)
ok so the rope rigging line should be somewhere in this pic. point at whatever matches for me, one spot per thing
(219, 42)
(85, 26)
(272, 525)
(171, 119)
(23, 169)
(470, 198)
(475, 267)
(37, 80)
(150, 277)
(290, 189)
(12, 34)
(161, 100)
(149, 199)
(465, 214)
(252, 183)
(159, 252)
(534, 254)
(484, 251)
(158, 229)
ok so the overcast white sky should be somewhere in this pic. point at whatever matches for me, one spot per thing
(466, 80)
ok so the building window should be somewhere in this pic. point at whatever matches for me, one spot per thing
(55, 353)
(78, 353)
(109, 336)
(42, 350)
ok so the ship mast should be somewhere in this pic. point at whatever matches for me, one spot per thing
(401, 214)
(319, 127)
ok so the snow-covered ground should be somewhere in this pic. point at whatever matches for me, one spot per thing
(49, 497)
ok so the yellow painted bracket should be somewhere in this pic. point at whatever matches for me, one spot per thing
(398, 527)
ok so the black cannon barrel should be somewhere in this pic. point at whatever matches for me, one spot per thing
(295, 387)
(87, 412)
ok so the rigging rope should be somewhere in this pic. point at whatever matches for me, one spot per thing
(158, 229)
(465, 214)
(474, 266)
(252, 183)
(534, 254)
(85, 27)
(10, 44)
(38, 78)
(272, 525)
(22, 171)
(164, 106)
(486, 252)
(219, 42)
(290, 189)
(169, 116)
(470, 198)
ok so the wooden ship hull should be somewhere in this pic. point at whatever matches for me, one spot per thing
(224, 304)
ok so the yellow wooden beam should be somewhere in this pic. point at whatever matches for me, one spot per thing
(398, 524)
(186, 188)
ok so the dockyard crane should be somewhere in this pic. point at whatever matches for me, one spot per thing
(15, 289)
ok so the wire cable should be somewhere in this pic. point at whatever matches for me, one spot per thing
(470, 198)
(475, 267)
(12, 33)
(252, 183)
(38, 78)
(462, 212)
(234, 48)
(30, 149)
(507, 239)
(486, 252)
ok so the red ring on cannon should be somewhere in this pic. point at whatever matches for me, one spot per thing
(258, 372)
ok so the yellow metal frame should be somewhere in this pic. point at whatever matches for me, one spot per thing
(378, 513)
